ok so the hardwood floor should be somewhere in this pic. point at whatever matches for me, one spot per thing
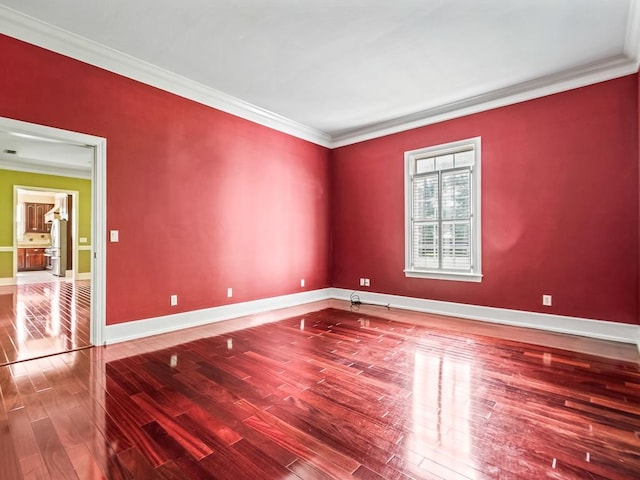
(325, 394)
(38, 319)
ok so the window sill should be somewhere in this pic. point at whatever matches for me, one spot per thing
(460, 277)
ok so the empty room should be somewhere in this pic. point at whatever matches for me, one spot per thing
(320, 240)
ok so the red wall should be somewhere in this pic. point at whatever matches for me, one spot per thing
(203, 200)
(559, 206)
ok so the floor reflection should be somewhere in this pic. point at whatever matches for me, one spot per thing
(39, 319)
(441, 409)
(342, 397)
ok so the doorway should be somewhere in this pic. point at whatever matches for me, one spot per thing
(88, 290)
(37, 210)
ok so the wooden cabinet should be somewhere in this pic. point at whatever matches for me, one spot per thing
(21, 259)
(31, 259)
(34, 216)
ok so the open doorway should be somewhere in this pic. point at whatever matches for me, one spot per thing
(30, 292)
(48, 239)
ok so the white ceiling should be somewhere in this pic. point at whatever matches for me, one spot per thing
(347, 69)
(44, 155)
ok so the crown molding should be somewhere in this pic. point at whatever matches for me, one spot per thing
(632, 39)
(33, 166)
(42, 34)
(613, 67)
(36, 32)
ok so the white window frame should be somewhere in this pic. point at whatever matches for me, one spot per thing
(410, 159)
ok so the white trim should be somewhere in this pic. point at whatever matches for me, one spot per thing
(83, 276)
(36, 32)
(98, 205)
(608, 69)
(153, 326)
(42, 34)
(6, 281)
(632, 39)
(410, 159)
(6, 249)
(60, 171)
(74, 221)
(99, 244)
(455, 276)
(614, 331)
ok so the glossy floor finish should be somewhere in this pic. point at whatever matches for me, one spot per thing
(38, 319)
(326, 394)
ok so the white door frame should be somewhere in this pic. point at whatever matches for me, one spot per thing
(74, 224)
(98, 212)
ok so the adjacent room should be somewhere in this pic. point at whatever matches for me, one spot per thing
(320, 240)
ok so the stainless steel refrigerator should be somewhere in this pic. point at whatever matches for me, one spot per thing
(59, 247)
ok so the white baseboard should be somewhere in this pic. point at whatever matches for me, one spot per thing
(614, 331)
(169, 323)
(7, 281)
(83, 276)
(618, 332)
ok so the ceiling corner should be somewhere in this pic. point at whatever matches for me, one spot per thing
(39, 33)
(632, 38)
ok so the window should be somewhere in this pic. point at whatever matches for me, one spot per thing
(442, 212)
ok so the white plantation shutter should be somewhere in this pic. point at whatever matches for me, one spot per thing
(441, 209)
(456, 219)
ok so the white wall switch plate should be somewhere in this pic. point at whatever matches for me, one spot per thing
(302, 282)
(546, 300)
(174, 300)
(114, 236)
(229, 292)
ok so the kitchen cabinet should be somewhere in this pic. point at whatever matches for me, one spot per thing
(32, 259)
(21, 259)
(34, 216)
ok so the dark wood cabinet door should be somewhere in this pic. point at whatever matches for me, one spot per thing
(40, 211)
(34, 215)
(34, 259)
(21, 264)
(30, 215)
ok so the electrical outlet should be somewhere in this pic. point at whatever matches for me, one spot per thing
(114, 236)
(367, 282)
(546, 300)
(302, 282)
(229, 292)
(362, 282)
(174, 300)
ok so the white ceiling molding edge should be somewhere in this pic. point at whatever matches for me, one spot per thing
(632, 39)
(36, 32)
(37, 167)
(615, 67)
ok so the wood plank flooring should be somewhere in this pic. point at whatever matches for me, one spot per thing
(330, 394)
(38, 319)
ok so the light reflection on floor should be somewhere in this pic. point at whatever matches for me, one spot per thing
(38, 319)
(441, 412)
